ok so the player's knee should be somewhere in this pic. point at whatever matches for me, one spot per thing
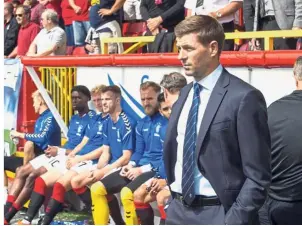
(22, 171)
(75, 182)
(140, 194)
(126, 195)
(30, 180)
(28, 147)
(98, 189)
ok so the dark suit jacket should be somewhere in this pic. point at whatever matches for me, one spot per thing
(10, 36)
(233, 147)
(285, 124)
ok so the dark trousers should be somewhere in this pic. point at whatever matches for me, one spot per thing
(228, 44)
(279, 212)
(270, 24)
(177, 213)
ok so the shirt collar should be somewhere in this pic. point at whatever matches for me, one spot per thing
(153, 117)
(210, 81)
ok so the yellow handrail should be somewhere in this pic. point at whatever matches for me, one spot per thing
(268, 37)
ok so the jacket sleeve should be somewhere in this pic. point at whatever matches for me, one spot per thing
(174, 10)
(298, 14)
(254, 143)
(11, 39)
(249, 14)
(46, 132)
(144, 10)
(139, 144)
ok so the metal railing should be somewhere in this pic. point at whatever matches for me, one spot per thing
(59, 82)
(268, 37)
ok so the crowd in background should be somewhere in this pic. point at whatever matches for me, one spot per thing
(81, 23)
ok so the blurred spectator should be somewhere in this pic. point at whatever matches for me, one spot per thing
(162, 14)
(56, 6)
(132, 10)
(51, 40)
(15, 3)
(268, 15)
(11, 29)
(103, 26)
(27, 33)
(283, 205)
(68, 14)
(36, 10)
(80, 20)
(222, 10)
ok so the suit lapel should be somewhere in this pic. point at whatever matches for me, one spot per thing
(215, 100)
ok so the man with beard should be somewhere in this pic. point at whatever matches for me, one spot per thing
(147, 156)
(26, 175)
(156, 189)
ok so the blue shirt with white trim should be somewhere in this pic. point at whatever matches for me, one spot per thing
(47, 131)
(78, 129)
(149, 148)
(120, 135)
(95, 134)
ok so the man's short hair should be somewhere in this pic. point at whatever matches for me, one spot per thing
(97, 90)
(114, 89)
(207, 29)
(82, 89)
(298, 68)
(51, 15)
(151, 84)
(37, 93)
(161, 98)
(9, 6)
(173, 82)
(26, 9)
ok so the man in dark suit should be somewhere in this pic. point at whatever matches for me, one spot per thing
(11, 29)
(284, 201)
(217, 147)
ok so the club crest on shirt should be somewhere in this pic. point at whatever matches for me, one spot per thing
(80, 128)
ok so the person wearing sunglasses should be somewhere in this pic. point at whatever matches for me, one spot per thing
(27, 33)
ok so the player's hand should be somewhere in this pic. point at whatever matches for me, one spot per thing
(71, 162)
(157, 185)
(134, 173)
(71, 155)
(96, 175)
(51, 151)
(125, 170)
(14, 133)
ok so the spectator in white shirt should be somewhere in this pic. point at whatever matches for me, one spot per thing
(51, 40)
(222, 10)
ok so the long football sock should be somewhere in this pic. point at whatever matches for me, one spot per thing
(129, 207)
(100, 209)
(145, 213)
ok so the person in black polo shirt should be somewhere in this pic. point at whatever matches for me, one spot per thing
(284, 201)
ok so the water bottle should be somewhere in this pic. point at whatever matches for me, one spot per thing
(15, 139)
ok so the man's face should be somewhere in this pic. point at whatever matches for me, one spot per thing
(149, 101)
(6, 13)
(28, 2)
(20, 16)
(97, 102)
(165, 109)
(109, 102)
(37, 102)
(194, 56)
(45, 22)
(79, 101)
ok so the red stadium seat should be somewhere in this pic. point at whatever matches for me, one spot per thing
(79, 51)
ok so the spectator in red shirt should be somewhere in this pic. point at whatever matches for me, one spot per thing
(80, 21)
(36, 11)
(27, 33)
(68, 15)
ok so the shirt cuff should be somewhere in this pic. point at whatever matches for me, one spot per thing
(132, 163)
(146, 168)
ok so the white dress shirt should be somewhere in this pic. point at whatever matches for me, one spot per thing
(202, 185)
(210, 6)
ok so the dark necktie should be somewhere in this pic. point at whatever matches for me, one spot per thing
(189, 149)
